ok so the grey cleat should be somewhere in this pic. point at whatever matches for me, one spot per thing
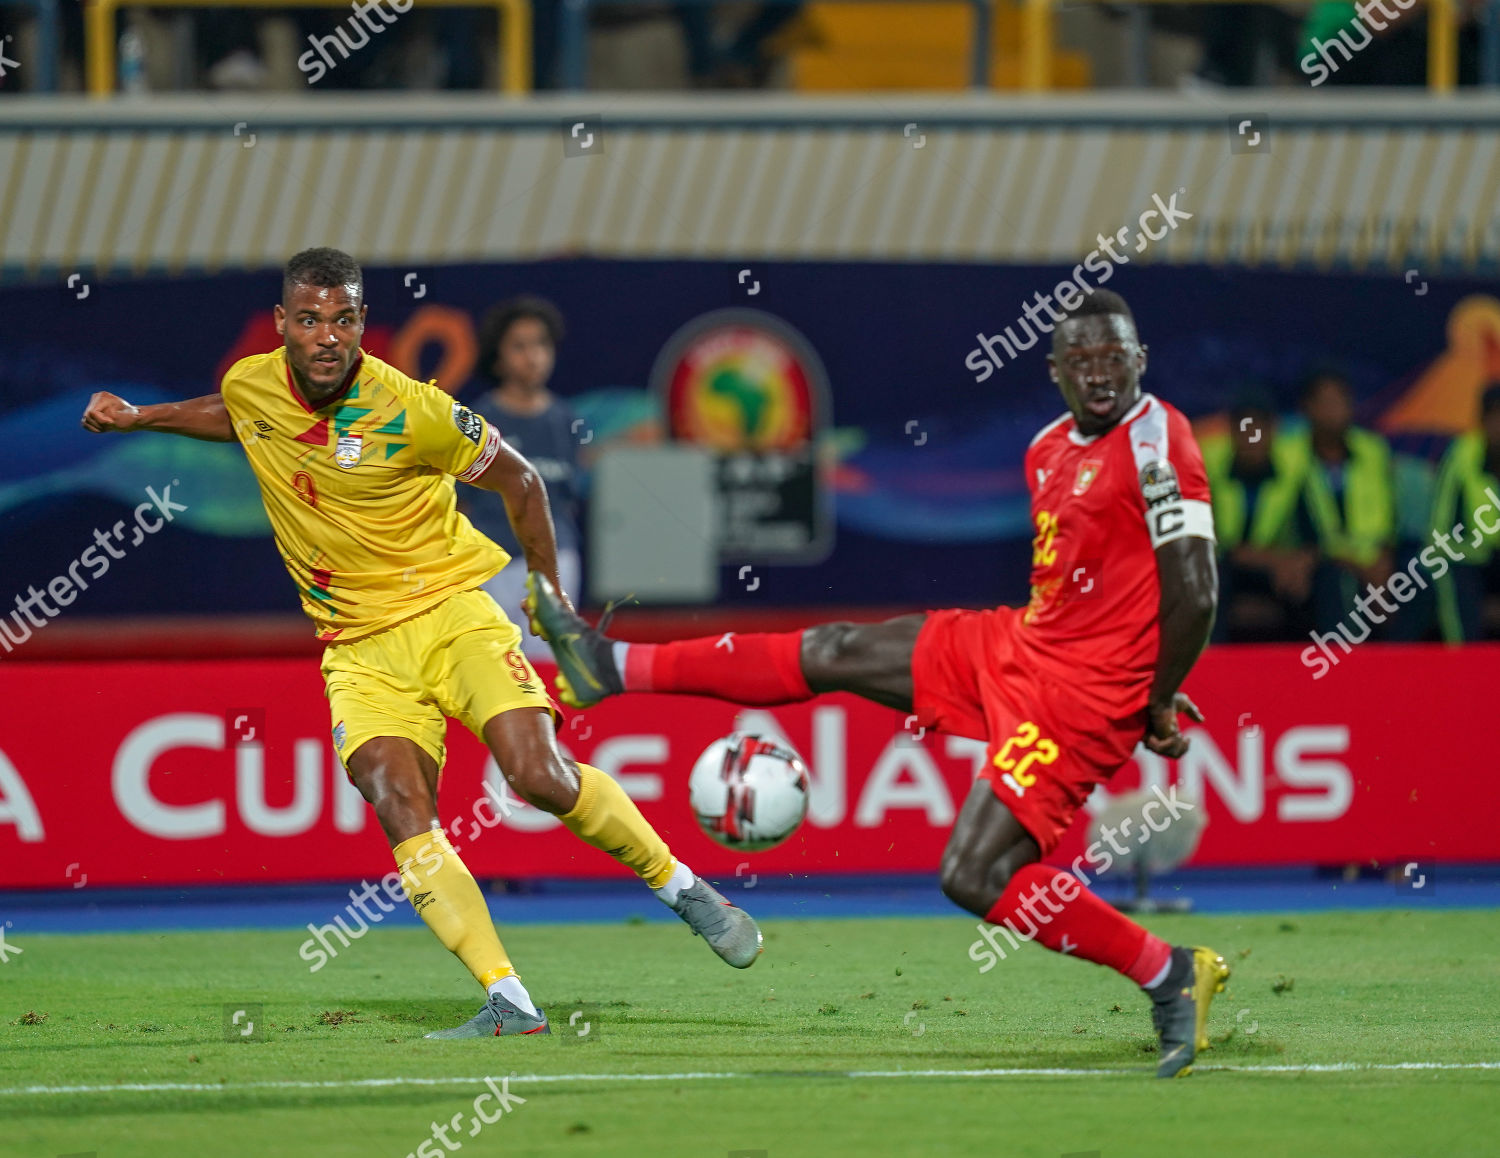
(1180, 1012)
(497, 1018)
(730, 931)
(586, 671)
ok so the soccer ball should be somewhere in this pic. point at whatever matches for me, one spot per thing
(748, 793)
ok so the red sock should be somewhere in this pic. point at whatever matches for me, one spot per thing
(1054, 909)
(757, 670)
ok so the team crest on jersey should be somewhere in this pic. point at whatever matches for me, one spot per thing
(349, 450)
(469, 424)
(1088, 471)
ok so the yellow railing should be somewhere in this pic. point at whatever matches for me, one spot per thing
(1037, 42)
(514, 37)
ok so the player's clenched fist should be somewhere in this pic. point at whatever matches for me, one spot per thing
(1163, 736)
(109, 412)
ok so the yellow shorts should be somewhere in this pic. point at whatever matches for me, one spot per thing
(461, 658)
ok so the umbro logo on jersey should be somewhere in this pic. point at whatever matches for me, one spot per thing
(262, 429)
(420, 901)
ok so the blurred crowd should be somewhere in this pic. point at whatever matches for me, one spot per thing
(431, 48)
(723, 44)
(1337, 42)
(1314, 512)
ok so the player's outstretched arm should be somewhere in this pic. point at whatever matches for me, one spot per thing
(516, 481)
(1189, 583)
(203, 418)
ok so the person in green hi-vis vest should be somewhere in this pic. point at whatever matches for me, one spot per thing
(1346, 504)
(1255, 492)
(1468, 495)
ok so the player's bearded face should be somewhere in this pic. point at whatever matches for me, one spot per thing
(1097, 363)
(322, 326)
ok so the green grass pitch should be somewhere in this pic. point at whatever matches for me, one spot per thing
(826, 999)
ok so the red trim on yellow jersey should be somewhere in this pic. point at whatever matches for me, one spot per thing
(486, 455)
(317, 433)
(359, 359)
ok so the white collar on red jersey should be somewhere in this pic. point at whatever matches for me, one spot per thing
(1130, 415)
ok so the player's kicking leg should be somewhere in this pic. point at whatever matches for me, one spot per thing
(399, 779)
(991, 867)
(597, 811)
(758, 669)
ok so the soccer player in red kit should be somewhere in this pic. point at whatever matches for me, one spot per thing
(1123, 594)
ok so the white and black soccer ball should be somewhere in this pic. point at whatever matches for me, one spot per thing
(748, 793)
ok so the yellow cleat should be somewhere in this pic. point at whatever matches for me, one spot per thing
(565, 692)
(1210, 975)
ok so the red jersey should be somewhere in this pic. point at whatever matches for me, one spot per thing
(1101, 506)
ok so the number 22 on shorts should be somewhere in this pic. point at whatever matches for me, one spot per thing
(1027, 747)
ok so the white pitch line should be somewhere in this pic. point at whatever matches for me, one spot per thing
(539, 1079)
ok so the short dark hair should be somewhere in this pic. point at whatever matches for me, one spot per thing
(1100, 301)
(321, 266)
(1319, 374)
(502, 316)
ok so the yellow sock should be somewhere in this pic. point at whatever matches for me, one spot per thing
(445, 895)
(608, 819)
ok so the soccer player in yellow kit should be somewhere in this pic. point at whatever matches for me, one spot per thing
(356, 464)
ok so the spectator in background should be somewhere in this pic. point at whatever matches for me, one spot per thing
(746, 61)
(1244, 45)
(228, 42)
(1467, 489)
(1347, 503)
(517, 352)
(1255, 491)
(1341, 44)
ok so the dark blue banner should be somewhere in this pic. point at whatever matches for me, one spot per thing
(924, 461)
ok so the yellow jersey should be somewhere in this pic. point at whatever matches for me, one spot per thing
(361, 492)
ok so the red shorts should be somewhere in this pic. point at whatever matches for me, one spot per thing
(1048, 745)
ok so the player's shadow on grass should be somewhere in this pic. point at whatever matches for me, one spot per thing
(105, 1105)
(128, 1038)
